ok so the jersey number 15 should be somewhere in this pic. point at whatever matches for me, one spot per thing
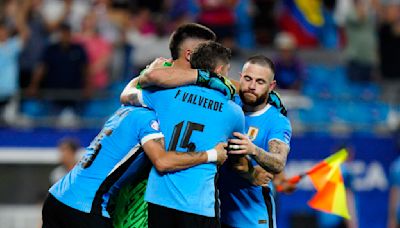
(190, 127)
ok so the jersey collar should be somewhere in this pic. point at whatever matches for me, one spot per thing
(259, 112)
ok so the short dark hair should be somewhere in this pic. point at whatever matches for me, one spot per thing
(262, 60)
(208, 55)
(191, 30)
(71, 143)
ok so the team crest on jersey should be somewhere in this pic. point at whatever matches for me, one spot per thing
(252, 133)
(155, 125)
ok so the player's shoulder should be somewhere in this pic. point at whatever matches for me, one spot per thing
(277, 116)
(237, 100)
(234, 107)
(136, 113)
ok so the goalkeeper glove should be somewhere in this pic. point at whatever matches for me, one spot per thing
(217, 82)
(275, 100)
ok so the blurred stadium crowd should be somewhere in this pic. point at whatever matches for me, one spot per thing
(66, 61)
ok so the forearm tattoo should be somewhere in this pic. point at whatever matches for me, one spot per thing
(273, 161)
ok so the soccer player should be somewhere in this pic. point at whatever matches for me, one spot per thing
(182, 43)
(267, 143)
(191, 118)
(80, 198)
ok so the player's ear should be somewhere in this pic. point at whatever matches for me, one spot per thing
(272, 85)
(187, 54)
(218, 69)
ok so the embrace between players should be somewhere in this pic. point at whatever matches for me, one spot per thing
(161, 159)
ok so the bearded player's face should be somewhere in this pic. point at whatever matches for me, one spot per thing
(256, 82)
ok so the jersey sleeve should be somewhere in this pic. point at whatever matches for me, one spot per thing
(150, 128)
(281, 130)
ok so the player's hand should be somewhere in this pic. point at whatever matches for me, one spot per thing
(241, 145)
(221, 153)
(157, 63)
(217, 82)
(275, 100)
(261, 177)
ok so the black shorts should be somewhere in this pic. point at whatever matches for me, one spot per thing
(57, 214)
(164, 217)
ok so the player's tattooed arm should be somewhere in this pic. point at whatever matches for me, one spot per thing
(275, 160)
(165, 161)
(129, 95)
(272, 161)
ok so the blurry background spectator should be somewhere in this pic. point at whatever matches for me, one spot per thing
(265, 21)
(361, 47)
(146, 37)
(68, 150)
(389, 49)
(98, 51)
(65, 11)
(244, 31)
(63, 67)
(389, 40)
(219, 16)
(37, 41)
(10, 48)
(289, 69)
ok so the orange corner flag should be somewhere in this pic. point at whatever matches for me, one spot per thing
(328, 181)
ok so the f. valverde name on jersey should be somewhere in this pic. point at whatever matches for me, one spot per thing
(192, 118)
(199, 100)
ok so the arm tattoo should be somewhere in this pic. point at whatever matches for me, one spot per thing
(159, 141)
(273, 146)
(273, 161)
(134, 99)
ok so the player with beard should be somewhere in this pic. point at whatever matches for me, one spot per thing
(266, 143)
(244, 203)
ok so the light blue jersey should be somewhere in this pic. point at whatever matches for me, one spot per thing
(109, 157)
(192, 118)
(243, 204)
